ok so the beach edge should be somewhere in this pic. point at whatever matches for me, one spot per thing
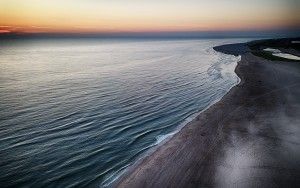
(221, 49)
(191, 158)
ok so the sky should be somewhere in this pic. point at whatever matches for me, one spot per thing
(109, 16)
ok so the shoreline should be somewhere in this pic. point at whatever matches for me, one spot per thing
(116, 181)
(195, 155)
(125, 171)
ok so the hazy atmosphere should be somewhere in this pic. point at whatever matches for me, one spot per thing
(91, 16)
(149, 93)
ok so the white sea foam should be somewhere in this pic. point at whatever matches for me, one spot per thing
(228, 64)
(106, 102)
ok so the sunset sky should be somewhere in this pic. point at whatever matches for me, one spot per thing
(93, 16)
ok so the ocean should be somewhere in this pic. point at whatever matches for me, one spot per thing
(78, 112)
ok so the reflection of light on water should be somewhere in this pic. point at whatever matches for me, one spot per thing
(278, 53)
(107, 102)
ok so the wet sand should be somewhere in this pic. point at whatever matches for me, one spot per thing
(251, 138)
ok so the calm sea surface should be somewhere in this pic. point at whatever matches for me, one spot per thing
(77, 112)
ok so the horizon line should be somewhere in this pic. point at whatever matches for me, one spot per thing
(165, 34)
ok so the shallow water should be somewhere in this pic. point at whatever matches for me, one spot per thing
(287, 56)
(78, 112)
(278, 53)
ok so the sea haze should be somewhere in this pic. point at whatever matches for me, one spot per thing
(77, 112)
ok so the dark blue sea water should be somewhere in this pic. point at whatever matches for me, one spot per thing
(78, 112)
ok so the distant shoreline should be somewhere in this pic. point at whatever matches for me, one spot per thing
(197, 155)
(158, 34)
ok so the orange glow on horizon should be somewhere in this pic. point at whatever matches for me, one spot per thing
(87, 16)
(4, 31)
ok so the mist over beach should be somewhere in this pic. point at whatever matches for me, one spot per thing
(139, 93)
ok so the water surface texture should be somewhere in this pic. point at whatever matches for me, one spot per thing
(78, 112)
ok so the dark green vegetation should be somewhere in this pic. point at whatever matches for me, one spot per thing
(250, 138)
(284, 45)
(270, 56)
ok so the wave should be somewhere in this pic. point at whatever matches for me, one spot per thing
(162, 139)
(86, 118)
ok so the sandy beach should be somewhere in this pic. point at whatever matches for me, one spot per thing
(248, 139)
